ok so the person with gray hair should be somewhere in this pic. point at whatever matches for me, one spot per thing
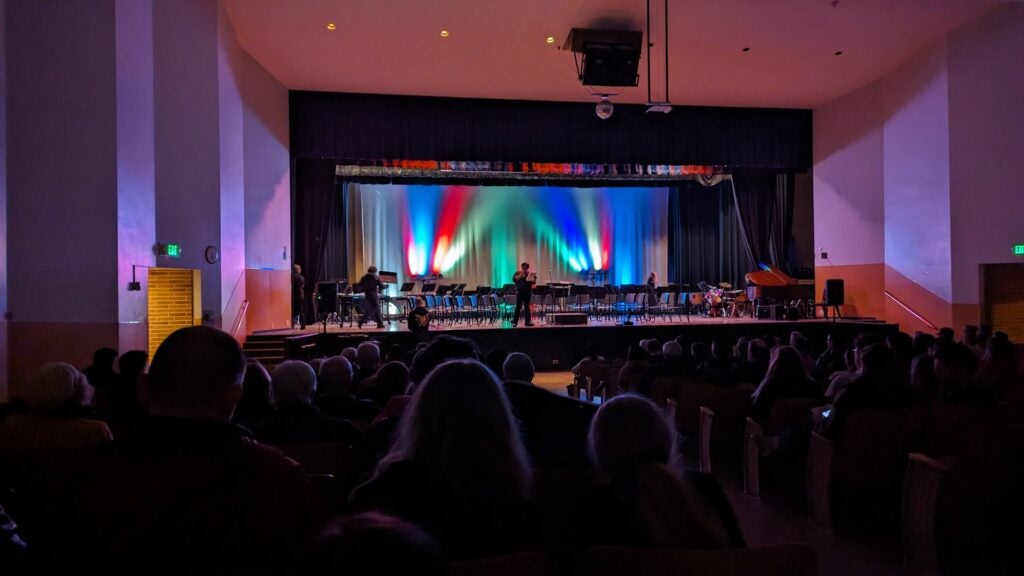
(296, 419)
(367, 361)
(334, 392)
(519, 367)
(184, 489)
(53, 398)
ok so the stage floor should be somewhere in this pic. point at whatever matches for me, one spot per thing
(558, 347)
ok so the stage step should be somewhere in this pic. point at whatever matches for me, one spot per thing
(268, 349)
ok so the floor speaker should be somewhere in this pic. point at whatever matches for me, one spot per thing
(569, 319)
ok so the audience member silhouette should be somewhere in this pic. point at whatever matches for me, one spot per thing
(373, 543)
(877, 384)
(367, 362)
(786, 378)
(518, 367)
(651, 502)
(333, 392)
(392, 380)
(255, 408)
(439, 350)
(185, 490)
(457, 467)
(296, 420)
(495, 360)
(52, 400)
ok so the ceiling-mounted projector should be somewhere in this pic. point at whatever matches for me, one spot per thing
(610, 57)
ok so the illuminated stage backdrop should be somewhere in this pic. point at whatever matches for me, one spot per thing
(480, 234)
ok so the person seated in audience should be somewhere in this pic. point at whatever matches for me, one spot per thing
(367, 362)
(349, 353)
(315, 364)
(637, 364)
(392, 379)
(954, 368)
(902, 346)
(970, 338)
(120, 405)
(922, 343)
(185, 491)
(495, 360)
(700, 354)
(438, 351)
(394, 354)
(518, 367)
(946, 334)
(833, 359)
(650, 501)
(52, 400)
(840, 380)
(922, 378)
(719, 368)
(800, 343)
(653, 348)
(100, 373)
(255, 409)
(786, 378)
(296, 420)
(756, 364)
(877, 384)
(333, 392)
(374, 543)
(999, 369)
(739, 350)
(457, 467)
(672, 367)
(418, 321)
(590, 360)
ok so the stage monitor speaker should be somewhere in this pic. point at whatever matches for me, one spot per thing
(835, 292)
(326, 297)
(569, 319)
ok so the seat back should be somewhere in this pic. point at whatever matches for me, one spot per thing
(788, 412)
(511, 565)
(783, 560)
(876, 444)
(334, 458)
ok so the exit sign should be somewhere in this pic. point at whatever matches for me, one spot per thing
(1018, 249)
(173, 250)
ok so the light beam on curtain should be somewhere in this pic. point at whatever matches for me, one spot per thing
(480, 234)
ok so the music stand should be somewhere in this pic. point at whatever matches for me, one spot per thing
(388, 277)
(407, 287)
(508, 289)
(443, 289)
(429, 287)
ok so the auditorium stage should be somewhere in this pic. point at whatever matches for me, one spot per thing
(555, 347)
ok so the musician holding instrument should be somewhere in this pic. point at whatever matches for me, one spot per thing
(371, 286)
(524, 281)
(652, 288)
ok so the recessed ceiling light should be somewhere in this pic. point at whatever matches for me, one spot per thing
(839, 53)
(445, 34)
(331, 26)
(746, 49)
(550, 40)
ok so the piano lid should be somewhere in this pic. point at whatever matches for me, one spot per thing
(770, 276)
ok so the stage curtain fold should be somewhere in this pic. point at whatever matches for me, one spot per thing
(754, 197)
(704, 235)
(782, 222)
(315, 205)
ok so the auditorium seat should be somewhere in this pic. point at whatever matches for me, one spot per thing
(783, 560)
(870, 461)
(532, 563)
(785, 415)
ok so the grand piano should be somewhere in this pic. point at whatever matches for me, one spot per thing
(771, 283)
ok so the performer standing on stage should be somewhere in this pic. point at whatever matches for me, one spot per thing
(524, 281)
(298, 296)
(652, 288)
(371, 286)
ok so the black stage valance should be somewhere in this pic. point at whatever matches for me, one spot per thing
(351, 128)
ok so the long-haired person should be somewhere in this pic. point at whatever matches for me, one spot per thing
(652, 502)
(457, 467)
(786, 378)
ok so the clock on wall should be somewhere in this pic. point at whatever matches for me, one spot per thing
(212, 254)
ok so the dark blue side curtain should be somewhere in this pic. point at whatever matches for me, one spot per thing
(318, 222)
(719, 233)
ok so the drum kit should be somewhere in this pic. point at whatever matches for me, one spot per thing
(721, 300)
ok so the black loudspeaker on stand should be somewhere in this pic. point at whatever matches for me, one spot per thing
(835, 296)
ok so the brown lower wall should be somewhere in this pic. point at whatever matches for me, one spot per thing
(32, 344)
(270, 299)
(864, 287)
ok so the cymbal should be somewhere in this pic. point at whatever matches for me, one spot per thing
(725, 285)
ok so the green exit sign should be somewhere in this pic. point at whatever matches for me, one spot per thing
(173, 250)
(1018, 249)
